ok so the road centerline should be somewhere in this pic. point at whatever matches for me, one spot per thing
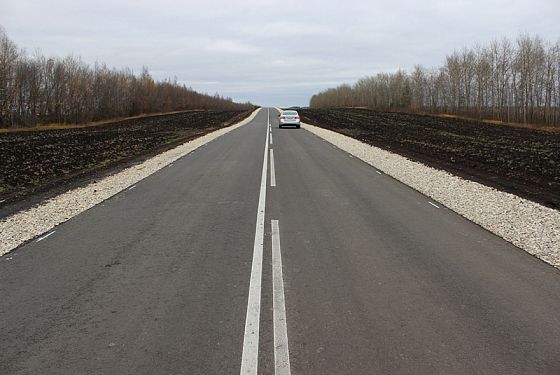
(272, 170)
(281, 351)
(250, 355)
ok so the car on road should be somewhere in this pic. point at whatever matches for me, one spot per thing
(289, 118)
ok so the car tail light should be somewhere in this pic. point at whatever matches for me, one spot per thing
(297, 117)
(282, 117)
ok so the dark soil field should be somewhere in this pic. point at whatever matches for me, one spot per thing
(33, 162)
(521, 161)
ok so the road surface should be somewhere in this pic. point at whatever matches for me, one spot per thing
(278, 253)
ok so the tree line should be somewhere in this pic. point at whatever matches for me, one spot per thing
(507, 81)
(40, 90)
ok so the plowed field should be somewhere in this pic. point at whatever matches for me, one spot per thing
(35, 161)
(521, 161)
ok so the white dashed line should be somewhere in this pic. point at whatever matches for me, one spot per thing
(433, 204)
(45, 236)
(272, 170)
(281, 352)
(132, 187)
(378, 172)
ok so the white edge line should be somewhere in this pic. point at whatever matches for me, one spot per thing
(281, 349)
(378, 172)
(45, 236)
(132, 187)
(272, 169)
(433, 204)
(271, 138)
(250, 355)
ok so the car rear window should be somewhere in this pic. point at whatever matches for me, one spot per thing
(289, 113)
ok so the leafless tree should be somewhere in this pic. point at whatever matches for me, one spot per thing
(513, 82)
(38, 90)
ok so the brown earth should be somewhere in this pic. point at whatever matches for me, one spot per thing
(525, 162)
(44, 162)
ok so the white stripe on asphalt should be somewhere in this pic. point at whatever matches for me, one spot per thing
(132, 187)
(378, 172)
(281, 352)
(250, 356)
(272, 170)
(433, 204)
(271, 138)
(45, 236)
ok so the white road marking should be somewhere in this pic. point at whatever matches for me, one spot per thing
(433, 204)
(272, 170)
(281, 351)
(250, 355)
(271, 138)
(45, 236)
(378, 172)
(132, 187)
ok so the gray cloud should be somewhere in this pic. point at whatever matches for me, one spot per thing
(273, 52)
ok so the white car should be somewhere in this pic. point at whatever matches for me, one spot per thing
(289, 118)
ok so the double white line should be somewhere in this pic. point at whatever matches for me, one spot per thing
(250, 356)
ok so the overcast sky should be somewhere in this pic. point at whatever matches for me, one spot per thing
(270, 52)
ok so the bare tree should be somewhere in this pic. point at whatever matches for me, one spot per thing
(510, 82)
(38, 90)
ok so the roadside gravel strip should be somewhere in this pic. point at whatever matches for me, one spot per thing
(528, 225)
(28, 224)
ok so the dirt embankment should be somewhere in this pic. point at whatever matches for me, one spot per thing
(525, 162)
(35, 163)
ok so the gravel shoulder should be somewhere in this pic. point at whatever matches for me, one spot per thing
(25, 225)
(526, 224)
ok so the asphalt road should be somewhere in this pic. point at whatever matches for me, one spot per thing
(205, 267)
